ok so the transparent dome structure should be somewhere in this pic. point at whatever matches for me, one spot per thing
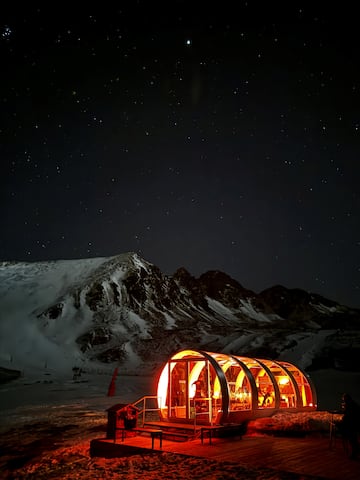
(216, 388)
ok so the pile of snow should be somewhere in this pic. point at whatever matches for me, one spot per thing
(23, 291)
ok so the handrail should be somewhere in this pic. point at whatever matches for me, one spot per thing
(145, 409)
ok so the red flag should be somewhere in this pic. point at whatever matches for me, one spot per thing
(111, 389)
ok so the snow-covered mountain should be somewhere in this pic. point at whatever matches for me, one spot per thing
(123, 310)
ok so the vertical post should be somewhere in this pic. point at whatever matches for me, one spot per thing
(188, 403)
(144, 411)
(209, 393)
(169, 391)
(194, 415)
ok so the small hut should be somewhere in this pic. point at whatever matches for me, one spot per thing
(217, 388)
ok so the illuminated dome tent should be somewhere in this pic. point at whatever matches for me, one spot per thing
(206, 387)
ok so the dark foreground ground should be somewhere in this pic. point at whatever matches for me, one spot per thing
(54, 443)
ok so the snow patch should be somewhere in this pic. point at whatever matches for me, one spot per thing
(307, 346)
(249, 310)
(134, 319)
(170, 321)
(220, 309)
(324, 309)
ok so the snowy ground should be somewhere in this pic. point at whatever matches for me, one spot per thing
(52, 441)
(47, 424)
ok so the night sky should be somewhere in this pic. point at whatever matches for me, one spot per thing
(192, 133)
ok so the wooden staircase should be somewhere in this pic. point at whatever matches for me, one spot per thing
(149, 418)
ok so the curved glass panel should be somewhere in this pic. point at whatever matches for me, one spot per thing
(239, 389)
(285, 384)
(306, 394)
(265, 389)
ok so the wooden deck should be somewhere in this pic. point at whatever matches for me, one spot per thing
(309, 455)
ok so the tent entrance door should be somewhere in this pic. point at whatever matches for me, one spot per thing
(189, 391)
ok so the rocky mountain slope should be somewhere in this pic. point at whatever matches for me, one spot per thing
(124, 310)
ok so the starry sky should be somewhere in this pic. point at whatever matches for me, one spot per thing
(196, 134)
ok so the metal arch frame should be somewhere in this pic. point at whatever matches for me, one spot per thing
(294, 383)
(222, 380)
(250, 377)
(312, 386)
(225, 399)
(274, 382)
(298, 395)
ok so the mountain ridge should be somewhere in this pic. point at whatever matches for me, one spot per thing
(124, 310)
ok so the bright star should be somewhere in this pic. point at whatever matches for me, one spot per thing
(6, 32)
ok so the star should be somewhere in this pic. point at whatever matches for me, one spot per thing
(247, 141)
(6, 32)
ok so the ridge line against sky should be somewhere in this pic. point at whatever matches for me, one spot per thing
(207, 136)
